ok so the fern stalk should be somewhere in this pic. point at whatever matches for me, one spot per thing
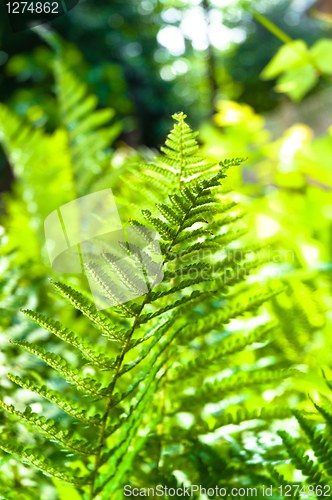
(119, 363)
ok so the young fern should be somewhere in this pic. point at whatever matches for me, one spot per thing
(172, 351)
(180, 165)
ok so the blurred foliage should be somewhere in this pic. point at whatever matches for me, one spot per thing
(64, 128)
(287, 184)
(316, 428)
(288, 178)
(146, 60)
(300, 67)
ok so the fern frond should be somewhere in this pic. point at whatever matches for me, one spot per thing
(31, 456)
(231, 345)
(188, 299)
(127, 271)
(75, 410)
(279, 480)
(324, 408)
(179, 166)
(55, 327)
(319, 441)
(154, 335)
(117, 455)
(34, 156)
(114, 293)
(87, 307)
(86, 385)
(217, 320)
(157, 360)
(89, 129)
(171, 334)
(214, 390)
(50, 429)
(209, 244)
(240, 414)
(302, 461)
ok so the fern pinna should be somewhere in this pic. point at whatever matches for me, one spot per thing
(310, 450)
(160, 372)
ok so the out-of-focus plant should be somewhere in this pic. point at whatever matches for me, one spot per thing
(294, 170)
(298, 68)
(287, 182)
(310, 450)
(50, 169)
(146, 60)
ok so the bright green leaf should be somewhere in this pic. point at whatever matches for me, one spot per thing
(289, 56)
(297, 82)
(321, 53)
(66, 491)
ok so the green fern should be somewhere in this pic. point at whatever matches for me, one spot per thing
(300, 310)
(90, 130)
(180, 165)
(311, 451)
(76, 154)
(31, 153)
(49, 170)
(144, 364)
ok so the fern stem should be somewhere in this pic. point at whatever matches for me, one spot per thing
(112, 387)
(109, 404)
(120, 360)
(182, 162)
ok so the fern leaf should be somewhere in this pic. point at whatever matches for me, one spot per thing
(30, 456)
(87, 307)
(155, 335)
(279, 480)
(213, 390)
(115, 294)
(50, 429)
(87, 385)
(194, 296)
(115, 456)
(168, 335)
(215, 321)
(89, 130)
(302, 461)
(71, 338)
(214, 354)
(79, 412)
(237, 415)
(127, 272)
(324, 408)
(319, 441)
